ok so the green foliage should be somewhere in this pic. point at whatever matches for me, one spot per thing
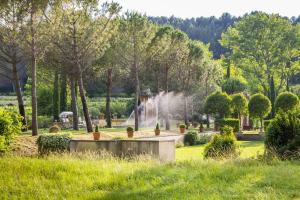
(259, 44)
(97, 129)
(222, 146)
(204, 139)
(259, 106)
(182, 126)
(54, 129)
(234, 85)
(191, 138)
(266, 124)
(286, 101)
(230, 122)
(283, 135)
(157, 126)
(10, 125)
(44, 104)
(218, 103)
(44, 121)
(239, 104)
(53, 143)
(129, 129)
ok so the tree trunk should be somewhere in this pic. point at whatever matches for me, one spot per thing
(167, 91)
(74, 104)
(272, 96)
(19, 96)
(108, 95)
(261, 125)
(137, 95)
(56, 98)
(185, 112)
(63, 93)
(207, 120)
(85, 109)
(34, 125)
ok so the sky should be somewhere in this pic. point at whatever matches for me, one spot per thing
(198, 8)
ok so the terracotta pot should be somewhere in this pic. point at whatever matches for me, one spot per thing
(96, 135)
(130, 134)
(182, 130)
(157, 132)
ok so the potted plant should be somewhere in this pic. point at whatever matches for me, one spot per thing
(157, 130)
(182, 128)
(201, 128)
(129, 132)
(96, 134)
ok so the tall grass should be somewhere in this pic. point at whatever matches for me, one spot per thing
(89, 177)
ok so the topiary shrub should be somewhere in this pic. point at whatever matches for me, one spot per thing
(129, 129)
(222, 146)
(259, 107)
(182, 126)
(54, 129)
(218, 103)
(10, 125)
(232, 122)
(53, 143)
(191, 138)
(286, 101)
(283, 136)
(234, 85)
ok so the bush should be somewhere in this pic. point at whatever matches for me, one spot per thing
(259, 106)
(217, 103)
(54, 129)
(283, 135)
(182, 126)
(222, 146)
(10, 125)
(232, 122)
(286, 101)
(204, 139)
(44, 121)
(129, 129)
(239, 104)
(266, 124)
(234, 85)
(53, 143)
(191, 138)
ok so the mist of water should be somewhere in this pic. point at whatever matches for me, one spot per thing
(155, 109)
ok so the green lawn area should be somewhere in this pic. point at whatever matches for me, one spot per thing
(248, 149)
(190, 177)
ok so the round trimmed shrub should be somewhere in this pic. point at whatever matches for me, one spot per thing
(10, 125)
(53, 143)
(222, 146)
(259, 107)
(234, 85)
(283, 135)
(191, 138)
(239, 104)
(218, 103)
(286, 101)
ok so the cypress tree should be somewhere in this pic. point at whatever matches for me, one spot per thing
(56, 97)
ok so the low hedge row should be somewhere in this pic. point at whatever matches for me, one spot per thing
(53, 143)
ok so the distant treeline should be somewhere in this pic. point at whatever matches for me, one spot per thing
(206, 29)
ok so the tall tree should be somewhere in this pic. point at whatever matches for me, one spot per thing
(11, 54)
(260, 45)
(85, 29)
(136, 34)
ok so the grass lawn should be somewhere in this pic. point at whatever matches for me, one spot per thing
(190, 177)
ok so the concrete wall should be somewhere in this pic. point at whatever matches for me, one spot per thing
(160, 149)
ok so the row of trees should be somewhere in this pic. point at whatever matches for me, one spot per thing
(259, 106)
(75, 41)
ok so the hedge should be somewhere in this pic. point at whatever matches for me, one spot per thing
(53, 143)
(232, 122)
(266, 124)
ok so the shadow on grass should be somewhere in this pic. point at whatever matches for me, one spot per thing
(251, 143)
